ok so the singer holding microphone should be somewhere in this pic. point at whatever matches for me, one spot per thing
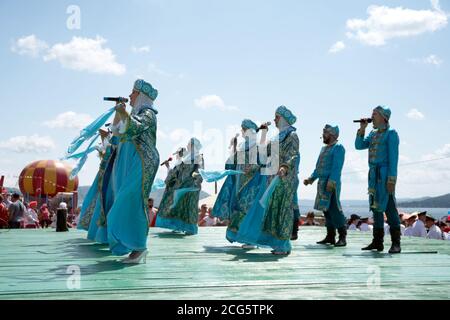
(240, 191)
(133, 172)
(178, 210)
(383, 145)
(269, 222)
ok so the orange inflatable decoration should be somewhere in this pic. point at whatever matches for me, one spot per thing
(47, 178)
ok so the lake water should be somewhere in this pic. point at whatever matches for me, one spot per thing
(438, 213)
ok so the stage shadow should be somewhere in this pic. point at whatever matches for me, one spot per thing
(171, 235)
(245, 255)
(374, 255)
(318, 247)
(65, 271)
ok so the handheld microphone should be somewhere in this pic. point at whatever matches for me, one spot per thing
(116, 99)
(167, 161)
(264, 126)
(234, 141)
(368, 120)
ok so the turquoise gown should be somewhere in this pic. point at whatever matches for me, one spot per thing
(183, 215)
(269, 221)
(132, 176)
(99, 198)
(239, 192)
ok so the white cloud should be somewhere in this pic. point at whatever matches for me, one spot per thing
(180, 135)
(433, 59)
(86, 54)
(213, 102)
(31, 144)
(161, 134)
(29, 45)
(69, 120)
(432, 174)
(338, 46)
(415, 114)
(144, 49)
(355, 167)
(385, 23)
(444, 151)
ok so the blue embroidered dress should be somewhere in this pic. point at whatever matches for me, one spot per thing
(272, 225)
(184, 215)
(99, 198)
(133, 172)
(239, 192)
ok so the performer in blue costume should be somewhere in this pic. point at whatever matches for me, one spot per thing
(178, 210)
(269, 221)
(328, 171)
(133, 172)
(99, 198)
(239, 191)
(383, 145)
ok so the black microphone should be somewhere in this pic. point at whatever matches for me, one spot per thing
(166, 162)
(116, 99)
(263, 126)
(368, 120)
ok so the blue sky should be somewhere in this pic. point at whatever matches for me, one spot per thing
(217, 62)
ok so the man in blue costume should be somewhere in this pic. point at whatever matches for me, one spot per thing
(328, 171)
(383, 145)
(133, 172)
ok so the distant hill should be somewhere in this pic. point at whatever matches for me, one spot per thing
(428, 202)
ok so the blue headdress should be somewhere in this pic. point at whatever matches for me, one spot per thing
(286, 114)
(333, 130)
(249, 124)
(146, 88)
(384, 111)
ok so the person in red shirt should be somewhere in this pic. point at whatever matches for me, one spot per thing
(151, 213)
(44, 216)
(447, 228)
(4, 215)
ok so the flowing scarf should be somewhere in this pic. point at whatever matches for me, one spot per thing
(264, 202)
(213, 176)
(90, 132)
(158, 185)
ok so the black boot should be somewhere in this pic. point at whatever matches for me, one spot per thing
(294, 235)
(342, 242)
(395, 237)
(330, 238)
(377, 242)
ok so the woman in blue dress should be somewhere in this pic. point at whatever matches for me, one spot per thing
(99, 199)
(269, 221)
(133, 172)
(239, 191)
(178, 210)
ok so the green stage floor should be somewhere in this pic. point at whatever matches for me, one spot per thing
(36, 264)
